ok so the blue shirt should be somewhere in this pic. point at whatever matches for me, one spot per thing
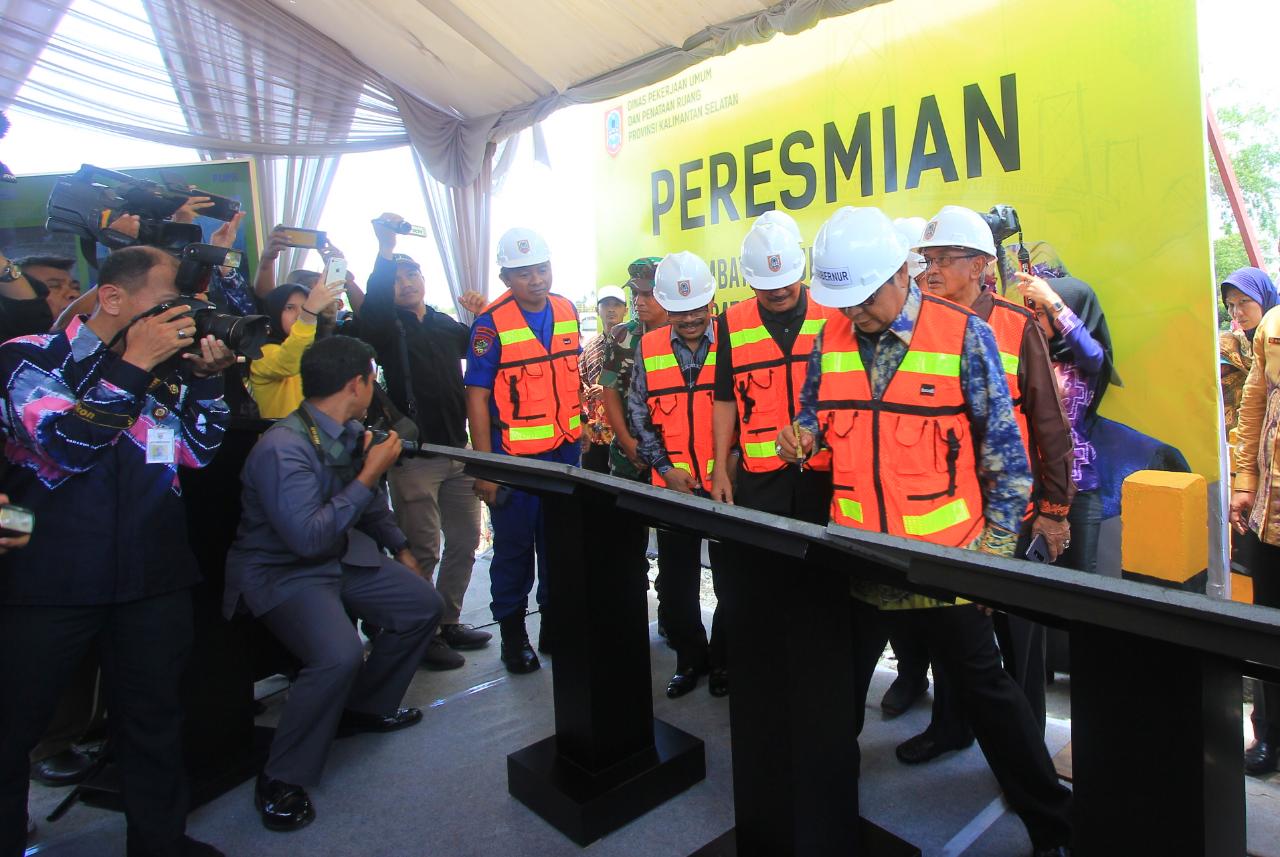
(304, 517)
(1003, 470)
(648, 442)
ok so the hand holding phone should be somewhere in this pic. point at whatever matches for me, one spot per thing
(1038, 550)
(296, 236)
(335, 271)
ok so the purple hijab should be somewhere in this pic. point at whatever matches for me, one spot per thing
(1255, 283)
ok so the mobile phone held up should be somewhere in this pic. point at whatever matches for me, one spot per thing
(335, 271)
(310, 239)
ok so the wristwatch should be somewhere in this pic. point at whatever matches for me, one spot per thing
(1058, 306)
(10, 272)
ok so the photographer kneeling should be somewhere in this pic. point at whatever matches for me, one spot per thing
(315, 514)
(99, 417)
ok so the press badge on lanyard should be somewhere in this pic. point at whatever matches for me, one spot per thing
(160, 445)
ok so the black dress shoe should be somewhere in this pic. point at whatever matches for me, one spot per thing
(62, 769)
(925, 747)
(283, 806)
(718, 681)
(354, 722)
(440, 657)
(685, 679)
(1261, 758)
(902, 694)
(464, 637)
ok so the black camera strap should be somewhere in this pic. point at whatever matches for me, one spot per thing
(402, 345)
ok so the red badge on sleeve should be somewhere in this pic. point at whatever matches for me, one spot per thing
(482, 340)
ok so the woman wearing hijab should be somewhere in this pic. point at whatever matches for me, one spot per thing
(1250, 297)
(275, 378)
(1247, 294)
(1080, 348)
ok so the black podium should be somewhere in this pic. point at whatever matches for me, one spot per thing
(1137, 650)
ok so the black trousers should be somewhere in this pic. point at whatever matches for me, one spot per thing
(1263, 562)
(963, 640)
(144, 646)
(595, 457)
(680, 556)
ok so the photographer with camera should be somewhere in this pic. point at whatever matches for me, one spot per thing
(99, 417)
(309, 549)
(421, 352)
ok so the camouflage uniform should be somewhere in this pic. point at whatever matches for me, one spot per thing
(619, 360)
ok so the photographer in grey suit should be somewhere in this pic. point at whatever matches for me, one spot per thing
(309, 549)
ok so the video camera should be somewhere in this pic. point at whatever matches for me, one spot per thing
(85, 204)
(1003, 222)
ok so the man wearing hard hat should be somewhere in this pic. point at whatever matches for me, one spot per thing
(523, 398)
(759, 376)
(669, 409)
(909, 393)
(956, 247)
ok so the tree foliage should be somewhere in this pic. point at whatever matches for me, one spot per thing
(1252, 137)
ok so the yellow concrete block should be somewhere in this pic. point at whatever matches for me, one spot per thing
(1165, 525)
(1241, 588)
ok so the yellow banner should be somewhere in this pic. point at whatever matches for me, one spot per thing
(1085, 116)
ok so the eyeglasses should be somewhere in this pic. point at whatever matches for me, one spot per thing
(945, 261)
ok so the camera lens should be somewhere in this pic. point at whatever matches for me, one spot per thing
(244, 335)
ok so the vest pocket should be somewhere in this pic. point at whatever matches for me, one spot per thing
(531, 396)
(758, 405)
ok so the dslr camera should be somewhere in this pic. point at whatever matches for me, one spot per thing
(244, 335)
(86, 202)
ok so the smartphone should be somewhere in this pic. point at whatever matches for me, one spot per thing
(1038, 550)
(335, 271)
(296, 236)
(16, 520)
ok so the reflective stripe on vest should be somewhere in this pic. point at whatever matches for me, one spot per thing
(767, 382)
(904, 463)
(536, 389)
(680, 412)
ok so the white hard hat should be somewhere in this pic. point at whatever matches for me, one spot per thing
(780, 218)
(911, 228)
(607, 292)
(957, 226)
(519, 247)
(771, 257)
(856, 252)
(683, 282)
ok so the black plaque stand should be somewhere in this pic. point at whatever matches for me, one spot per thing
(610, 760)
(1156, 734)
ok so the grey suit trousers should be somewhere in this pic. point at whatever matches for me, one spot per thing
(314, 625)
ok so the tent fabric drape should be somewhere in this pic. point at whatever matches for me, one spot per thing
(28, 25)
(238, 81)
(258, 80)
(460, 222)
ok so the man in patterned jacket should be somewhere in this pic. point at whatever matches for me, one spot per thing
(99, 417)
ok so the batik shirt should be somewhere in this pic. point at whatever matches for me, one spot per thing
(110, 527)
(1003, 470)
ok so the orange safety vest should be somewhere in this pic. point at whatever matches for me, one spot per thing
(536, 390)
(680, 413)
(767, 382)
(904, 463)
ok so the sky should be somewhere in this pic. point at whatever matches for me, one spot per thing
(1237, 50)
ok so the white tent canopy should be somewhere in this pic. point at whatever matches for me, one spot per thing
(295, 83)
